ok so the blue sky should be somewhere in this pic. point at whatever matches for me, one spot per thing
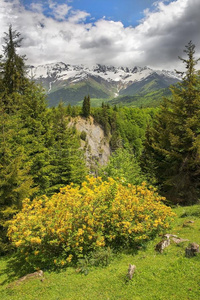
(129, 12)
(113, 32)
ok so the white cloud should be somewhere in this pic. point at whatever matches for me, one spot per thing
(78, 16)
(37, 7)
(59, 12)
(65, 36)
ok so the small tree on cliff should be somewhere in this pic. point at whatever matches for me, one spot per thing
(86, 106)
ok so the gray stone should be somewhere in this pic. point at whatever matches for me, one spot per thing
(192, 250)
(162, 245)
(131, 271)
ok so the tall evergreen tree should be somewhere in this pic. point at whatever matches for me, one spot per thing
(15, 180)
(86, 106)
(173, 144)
(66, 158)
(14, 75)
(35, 119)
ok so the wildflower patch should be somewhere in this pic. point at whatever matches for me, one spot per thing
(78, 220)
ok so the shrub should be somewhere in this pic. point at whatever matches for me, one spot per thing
(123, 165)
(77, 221)
(83, 135)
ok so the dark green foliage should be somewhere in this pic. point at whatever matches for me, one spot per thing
(86, 107)
(173, 144)
(36, 120)
(125, 125)
(83, 135)
(15, 180)
(14, 79)
(66, 159)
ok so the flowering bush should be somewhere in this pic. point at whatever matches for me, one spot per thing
(77, 221)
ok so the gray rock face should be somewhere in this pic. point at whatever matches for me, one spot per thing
(96, 144)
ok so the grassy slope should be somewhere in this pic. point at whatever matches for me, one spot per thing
(150, 99)
(158, 276)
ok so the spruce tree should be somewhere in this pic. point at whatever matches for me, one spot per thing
(14, 74)
(66, 159)
(36, 120)
(173, 144)
(86, 106)
(16, 183)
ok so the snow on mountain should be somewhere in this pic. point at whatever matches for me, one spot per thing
(61, 71)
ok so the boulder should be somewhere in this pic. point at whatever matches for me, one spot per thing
(179, 240)
(192, 250)
(162, 245)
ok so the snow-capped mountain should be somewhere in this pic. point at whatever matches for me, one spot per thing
(73, 82)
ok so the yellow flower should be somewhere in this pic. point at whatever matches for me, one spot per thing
(80, 231)
(36, 240)
(18, 243)
(69, 258)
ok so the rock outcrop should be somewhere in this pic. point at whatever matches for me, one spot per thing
(95, 144)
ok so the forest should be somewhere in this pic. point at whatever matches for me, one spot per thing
(53, 209)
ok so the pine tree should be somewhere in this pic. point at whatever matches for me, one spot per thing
(15, 180)
(174, 141)
(66, 158)
(14, 75)
(86, 106)
(36, 120)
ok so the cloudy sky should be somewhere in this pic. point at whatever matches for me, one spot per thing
(111, 32)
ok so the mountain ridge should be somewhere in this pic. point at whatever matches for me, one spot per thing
(70, 83)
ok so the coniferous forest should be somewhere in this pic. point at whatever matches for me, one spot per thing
(54, 209)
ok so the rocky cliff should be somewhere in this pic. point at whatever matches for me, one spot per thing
(93, 141)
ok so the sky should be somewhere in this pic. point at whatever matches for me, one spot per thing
(111, 32)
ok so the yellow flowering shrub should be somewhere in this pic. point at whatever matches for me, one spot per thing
(75, 221)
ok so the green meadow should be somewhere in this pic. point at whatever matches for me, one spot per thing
(169, 275)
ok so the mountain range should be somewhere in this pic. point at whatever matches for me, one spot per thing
(130, 86)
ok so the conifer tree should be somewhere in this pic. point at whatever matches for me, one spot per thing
(14, 75)
(15, 180)
(36, 120)
(86, 106)
(173, 145)
(66, 158)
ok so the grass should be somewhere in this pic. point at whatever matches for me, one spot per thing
(158, 276)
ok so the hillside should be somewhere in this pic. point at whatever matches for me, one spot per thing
(142, 99)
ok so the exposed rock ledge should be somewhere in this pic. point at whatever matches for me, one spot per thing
(96, 144)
